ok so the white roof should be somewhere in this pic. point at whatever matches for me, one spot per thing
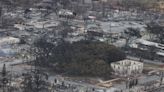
(92, 17)
(65, 12)
(9, 40)
(161, 46)
(149, 43)
(160, 53)
(145, 42)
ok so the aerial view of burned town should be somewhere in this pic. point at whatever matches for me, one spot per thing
(81, 45)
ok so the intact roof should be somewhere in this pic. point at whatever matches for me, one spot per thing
(148, 43)
(160, 53)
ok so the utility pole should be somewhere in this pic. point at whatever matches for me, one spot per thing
(83, 2)
(93, 4)
(110, 25)
(4, 79)
(161, 77)
(103, 7)
(10, 79)
(1, 14)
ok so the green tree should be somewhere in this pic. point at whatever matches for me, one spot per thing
(82, 58)
(131, 33)
(35, 81)
(157, 30)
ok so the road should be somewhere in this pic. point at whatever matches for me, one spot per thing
(145, 60)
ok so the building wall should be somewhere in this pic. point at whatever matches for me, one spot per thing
(127, 67)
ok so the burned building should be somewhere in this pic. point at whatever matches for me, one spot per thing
(127, 67)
